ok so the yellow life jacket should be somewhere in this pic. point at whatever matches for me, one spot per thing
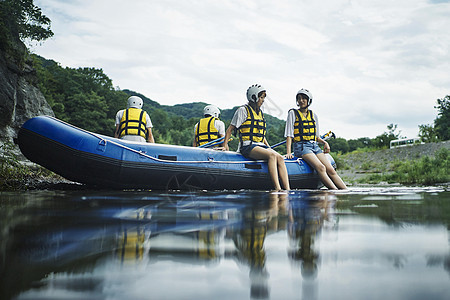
(304, 127)
(253, 235)
(133, 122)
(206, 131)
(254, 127)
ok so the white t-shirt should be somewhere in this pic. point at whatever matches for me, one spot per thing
(119, 116)
(220, 126)
(240, 115)
(289, 129)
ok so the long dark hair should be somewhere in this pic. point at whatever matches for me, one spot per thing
(254, 106)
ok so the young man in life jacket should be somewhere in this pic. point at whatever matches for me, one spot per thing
(251, 126)
(302, 130)
(209, 128)
(133, 123)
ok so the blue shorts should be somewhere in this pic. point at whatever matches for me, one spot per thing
(245, 150)
(302, 148)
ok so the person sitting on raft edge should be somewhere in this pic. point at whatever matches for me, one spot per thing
(302, 128)
(251, 126)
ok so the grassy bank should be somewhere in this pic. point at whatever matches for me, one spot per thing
(425, 171)
(426, 164)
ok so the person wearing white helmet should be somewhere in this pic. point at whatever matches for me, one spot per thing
(209, 128)
(249, 122)
(133, 123)
(302, 130)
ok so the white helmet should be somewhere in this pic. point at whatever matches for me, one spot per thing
(134, 101)
(211, 110)
(306, 93)
(254, 91)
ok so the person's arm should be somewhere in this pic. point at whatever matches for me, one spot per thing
(150, 138)
(317, 125)
(240, 115)
(149, 125)
(221, 128)
(118, 118)
(116, 132)
(194, 143)
(288, 147)
(228, 133)
(326, 146)
(289, 133)
(220, 145)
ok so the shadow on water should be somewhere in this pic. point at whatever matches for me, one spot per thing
(242, 244)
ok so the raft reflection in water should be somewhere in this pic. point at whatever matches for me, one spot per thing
(222, 245)
(193, 231)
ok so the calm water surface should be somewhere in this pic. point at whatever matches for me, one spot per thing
(367, 243)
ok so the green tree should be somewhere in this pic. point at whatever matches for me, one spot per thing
(442, 122)
(161, 123)
(338, 145)
(427, 134)
(89, 111)
(360, 143)
(84, 97)
(383, 140)
(20, 20)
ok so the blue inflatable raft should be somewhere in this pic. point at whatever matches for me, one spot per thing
(98, 160)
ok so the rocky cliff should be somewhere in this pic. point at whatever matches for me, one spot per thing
(20, 99)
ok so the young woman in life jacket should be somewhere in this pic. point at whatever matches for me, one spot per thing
(249, 121)
(302, 131)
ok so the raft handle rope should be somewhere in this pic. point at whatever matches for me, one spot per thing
(210, 159)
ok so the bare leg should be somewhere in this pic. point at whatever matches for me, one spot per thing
(272, 162)
(314, 161)
(282, 172)
(332, 172)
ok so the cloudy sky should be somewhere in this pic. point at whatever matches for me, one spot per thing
(368, 63)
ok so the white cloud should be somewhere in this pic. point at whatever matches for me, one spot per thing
(367, 63)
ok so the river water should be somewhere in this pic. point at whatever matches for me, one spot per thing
(366, 243)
